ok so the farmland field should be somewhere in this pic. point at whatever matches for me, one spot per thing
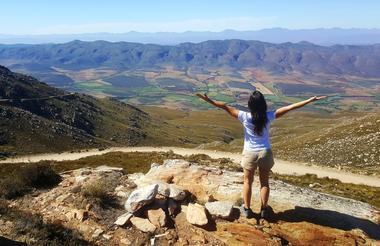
(175, 88)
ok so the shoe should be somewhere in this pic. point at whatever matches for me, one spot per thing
(247, 212)
(264, 213)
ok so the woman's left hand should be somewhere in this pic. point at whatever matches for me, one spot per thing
(317, 98)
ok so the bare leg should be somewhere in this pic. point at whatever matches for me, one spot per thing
(247, 187)
(264, 183)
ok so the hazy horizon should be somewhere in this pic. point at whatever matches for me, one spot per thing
(42, 17)
(319, 36)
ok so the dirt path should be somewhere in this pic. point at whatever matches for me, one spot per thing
(282, 167)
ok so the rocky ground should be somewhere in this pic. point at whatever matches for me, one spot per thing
(180, 203)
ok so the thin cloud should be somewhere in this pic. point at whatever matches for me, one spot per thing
(236, 23)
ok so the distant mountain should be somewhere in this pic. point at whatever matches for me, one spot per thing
(55, 120)
(300, 57)
(321, 36)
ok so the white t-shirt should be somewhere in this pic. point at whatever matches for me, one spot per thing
(252, 141)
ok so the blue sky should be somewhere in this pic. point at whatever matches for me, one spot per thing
(89, 16)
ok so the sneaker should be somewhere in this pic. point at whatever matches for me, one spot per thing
(247, 212)
(264, 213)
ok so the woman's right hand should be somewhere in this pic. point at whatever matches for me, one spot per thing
(202, 96)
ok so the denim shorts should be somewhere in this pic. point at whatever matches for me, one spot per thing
(253, 159)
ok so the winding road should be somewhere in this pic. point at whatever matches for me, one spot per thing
(281, 167)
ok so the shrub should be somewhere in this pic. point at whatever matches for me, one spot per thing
(39, 176)
(23, 179)
(98, 191)
(95, 190)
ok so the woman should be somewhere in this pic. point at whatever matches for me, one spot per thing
(257, 151)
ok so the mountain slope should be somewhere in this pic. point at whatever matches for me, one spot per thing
(350, 141)
(55, 120)
(301, 57)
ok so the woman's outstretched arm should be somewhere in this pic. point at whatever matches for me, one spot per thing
(281, 111)
(231, 110)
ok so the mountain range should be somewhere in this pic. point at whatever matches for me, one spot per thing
(303, 57)
(322, 36)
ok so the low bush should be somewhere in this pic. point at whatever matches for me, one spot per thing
(99, 192)
(22, 179)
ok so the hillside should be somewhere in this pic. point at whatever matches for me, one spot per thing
(55, 120)
(346, 141)
(40, 118)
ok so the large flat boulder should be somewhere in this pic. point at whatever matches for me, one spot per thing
(220, 209)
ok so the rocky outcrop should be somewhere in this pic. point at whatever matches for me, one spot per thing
(163, 215)
(211, 183)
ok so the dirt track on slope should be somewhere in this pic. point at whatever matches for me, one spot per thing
(282, 167)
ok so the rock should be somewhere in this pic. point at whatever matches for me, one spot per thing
(122, 191)
(81, 215)
(176, 192)
(220, 209)
(242, 234)
(70, 215)
(171, 191)
(108, 169)
(122, 194)
(196, 214)
(120, 188)
(97, 233)
(304, 233)
(76, 189)
(172, 207)
(157, 217)
(183, 208)
(143, 224)
(123, 219)
(141, 197)
(107, 236)
(125, 241)
(62, 198)
(199, 239)
(376, 217)
(163, 189)
(80, 179)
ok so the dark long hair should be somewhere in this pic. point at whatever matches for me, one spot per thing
(258, 107)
